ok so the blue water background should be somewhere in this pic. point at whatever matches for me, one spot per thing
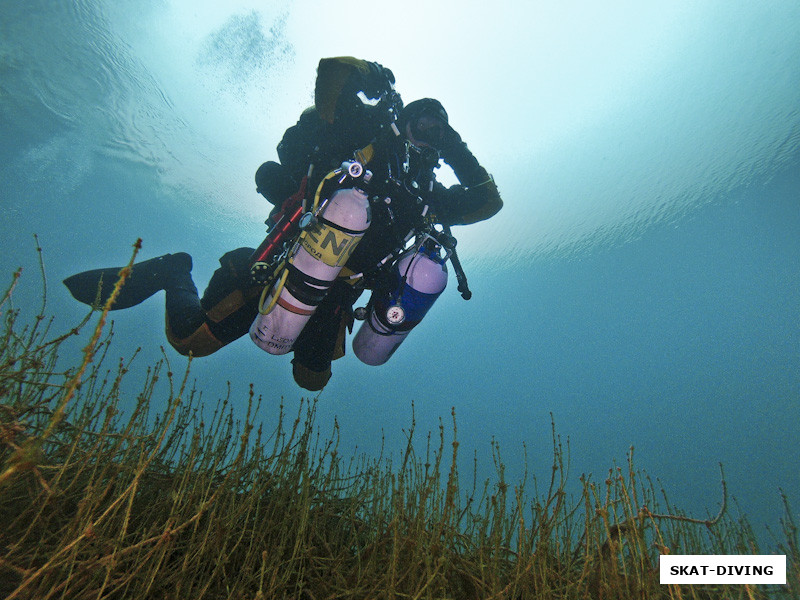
(667, 321)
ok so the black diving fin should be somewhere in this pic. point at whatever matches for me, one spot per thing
(148, 277)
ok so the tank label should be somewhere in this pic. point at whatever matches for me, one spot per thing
(329, 245)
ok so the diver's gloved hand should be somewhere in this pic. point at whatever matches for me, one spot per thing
(450, 144)
(274, 182)
(378, 81)
(457, 155)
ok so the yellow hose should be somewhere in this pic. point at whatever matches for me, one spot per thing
(278, 290)
(330, 175)
(284, 275)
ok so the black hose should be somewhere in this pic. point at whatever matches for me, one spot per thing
(461, 277)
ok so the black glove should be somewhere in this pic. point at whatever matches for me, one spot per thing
(450, 141)
(454, 152)
(274, 182)
(378, 80)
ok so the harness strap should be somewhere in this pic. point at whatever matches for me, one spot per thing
(308, 290)
(365, 154)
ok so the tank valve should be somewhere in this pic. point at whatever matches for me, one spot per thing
(355, 169)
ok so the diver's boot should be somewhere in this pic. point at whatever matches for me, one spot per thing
(146, 278)
(184, 311)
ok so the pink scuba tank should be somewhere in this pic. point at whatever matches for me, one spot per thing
(314, 263)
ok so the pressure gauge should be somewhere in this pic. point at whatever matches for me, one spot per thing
(307, 220)
(395, 315)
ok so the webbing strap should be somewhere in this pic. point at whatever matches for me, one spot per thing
(308, 290)
(365, 154)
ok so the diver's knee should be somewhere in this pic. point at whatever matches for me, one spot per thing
(312, 381)
(199, 343)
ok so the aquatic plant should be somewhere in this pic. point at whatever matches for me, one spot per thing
(168, 501)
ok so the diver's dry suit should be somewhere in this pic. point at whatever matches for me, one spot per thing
(338, 126)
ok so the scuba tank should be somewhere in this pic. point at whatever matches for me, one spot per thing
(418, 279)
(326, 242)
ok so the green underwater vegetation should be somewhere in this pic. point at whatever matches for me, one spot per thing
(168, 501)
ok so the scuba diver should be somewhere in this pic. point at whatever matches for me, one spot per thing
(356, 206)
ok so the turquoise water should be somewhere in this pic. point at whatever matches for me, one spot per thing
(642, 283)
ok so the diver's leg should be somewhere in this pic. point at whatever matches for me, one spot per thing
(323, 338)
(146, 278)
(233, 274)
(230, 300)
(184, 311)
(228, 307)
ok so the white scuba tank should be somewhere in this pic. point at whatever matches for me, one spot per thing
(419, 278)
(314, 263)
